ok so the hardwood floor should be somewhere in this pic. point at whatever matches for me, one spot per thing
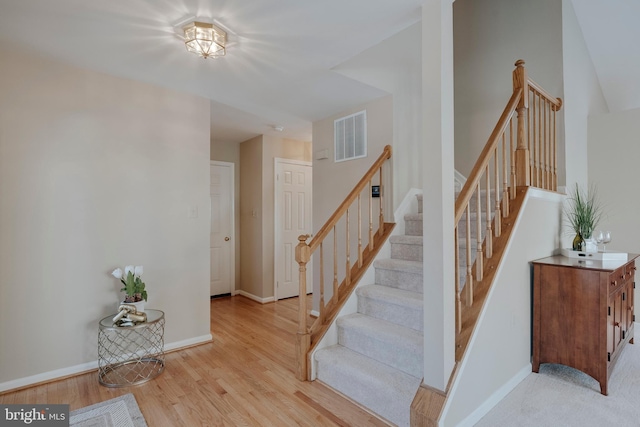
(245, 377)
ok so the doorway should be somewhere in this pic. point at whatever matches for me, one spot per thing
(222, 242)
(292, 218)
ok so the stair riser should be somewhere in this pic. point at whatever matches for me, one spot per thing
(413, 227)
(401, 355)
(370, 391)
(406, 251)
(399, 279)
(400, 315)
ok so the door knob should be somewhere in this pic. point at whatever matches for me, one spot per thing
(226, 239)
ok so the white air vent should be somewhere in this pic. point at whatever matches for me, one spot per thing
(350, 137)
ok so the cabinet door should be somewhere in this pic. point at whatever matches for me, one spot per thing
(628, 304)
(618, 310)
(611, 328)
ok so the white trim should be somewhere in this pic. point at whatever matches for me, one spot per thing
(256, 298)
(496, 397)
(89, 366)
(408, 205)
(188, 342)
(459, 180)
(233, 218)
(314, 313)
(276, 234)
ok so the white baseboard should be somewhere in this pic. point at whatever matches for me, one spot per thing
(49, 376)
(86, 367)
(188, 342)
(256, 298)
(496, 397)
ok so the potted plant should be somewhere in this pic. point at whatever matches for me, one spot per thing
(134, 287)
(583, 212)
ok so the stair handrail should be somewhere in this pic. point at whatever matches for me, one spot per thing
(485, 156)
(533, 162)
(305, 250)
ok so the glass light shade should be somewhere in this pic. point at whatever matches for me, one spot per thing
(205, 40)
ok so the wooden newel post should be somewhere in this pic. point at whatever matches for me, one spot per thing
(520, 82)
(303, 339)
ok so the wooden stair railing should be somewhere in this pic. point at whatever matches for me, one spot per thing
(529, 121)
(344, 279)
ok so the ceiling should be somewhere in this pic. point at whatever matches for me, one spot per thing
(277, 71)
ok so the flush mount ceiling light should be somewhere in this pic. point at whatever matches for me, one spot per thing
(205, 40)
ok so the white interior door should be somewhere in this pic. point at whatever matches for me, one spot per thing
(293, 218)
(222, 224)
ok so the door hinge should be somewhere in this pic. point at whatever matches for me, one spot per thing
(634, 285)
(622, 334)
(608, 357)
(609, 311)
(624, 296)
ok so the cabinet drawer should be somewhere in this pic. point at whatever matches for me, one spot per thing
(630, 270)
(617, 279)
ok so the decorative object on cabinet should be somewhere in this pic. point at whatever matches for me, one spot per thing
(583, 212)
(128, 315)
(598, 256)
(134, 287)
(583, 313)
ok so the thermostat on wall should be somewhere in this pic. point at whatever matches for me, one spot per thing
(375, 191)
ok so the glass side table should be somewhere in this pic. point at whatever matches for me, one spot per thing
(129, 355)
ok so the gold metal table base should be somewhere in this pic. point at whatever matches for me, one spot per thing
(130, 355)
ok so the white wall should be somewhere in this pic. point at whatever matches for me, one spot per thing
(489, 36)
(499, 353)
(257, 210)
(438, 196)
(333, 181)
(582, 97)
(395, 66)
(96, 172)
(614, 150)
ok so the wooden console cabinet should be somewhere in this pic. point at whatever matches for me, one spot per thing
(583, 313)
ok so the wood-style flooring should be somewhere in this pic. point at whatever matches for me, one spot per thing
(245, 377)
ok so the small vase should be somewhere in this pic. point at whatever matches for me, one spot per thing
(577, 242)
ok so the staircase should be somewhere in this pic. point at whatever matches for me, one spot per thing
(378, 361)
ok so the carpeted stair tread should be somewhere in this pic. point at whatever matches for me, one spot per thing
(396, 296)
(413, 217)
(381, 388)
(399, 273)
(406, 247)
(399, 265)
(386, 342)
(391, 304)
(406, 240)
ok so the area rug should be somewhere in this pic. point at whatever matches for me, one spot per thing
(121, 411)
